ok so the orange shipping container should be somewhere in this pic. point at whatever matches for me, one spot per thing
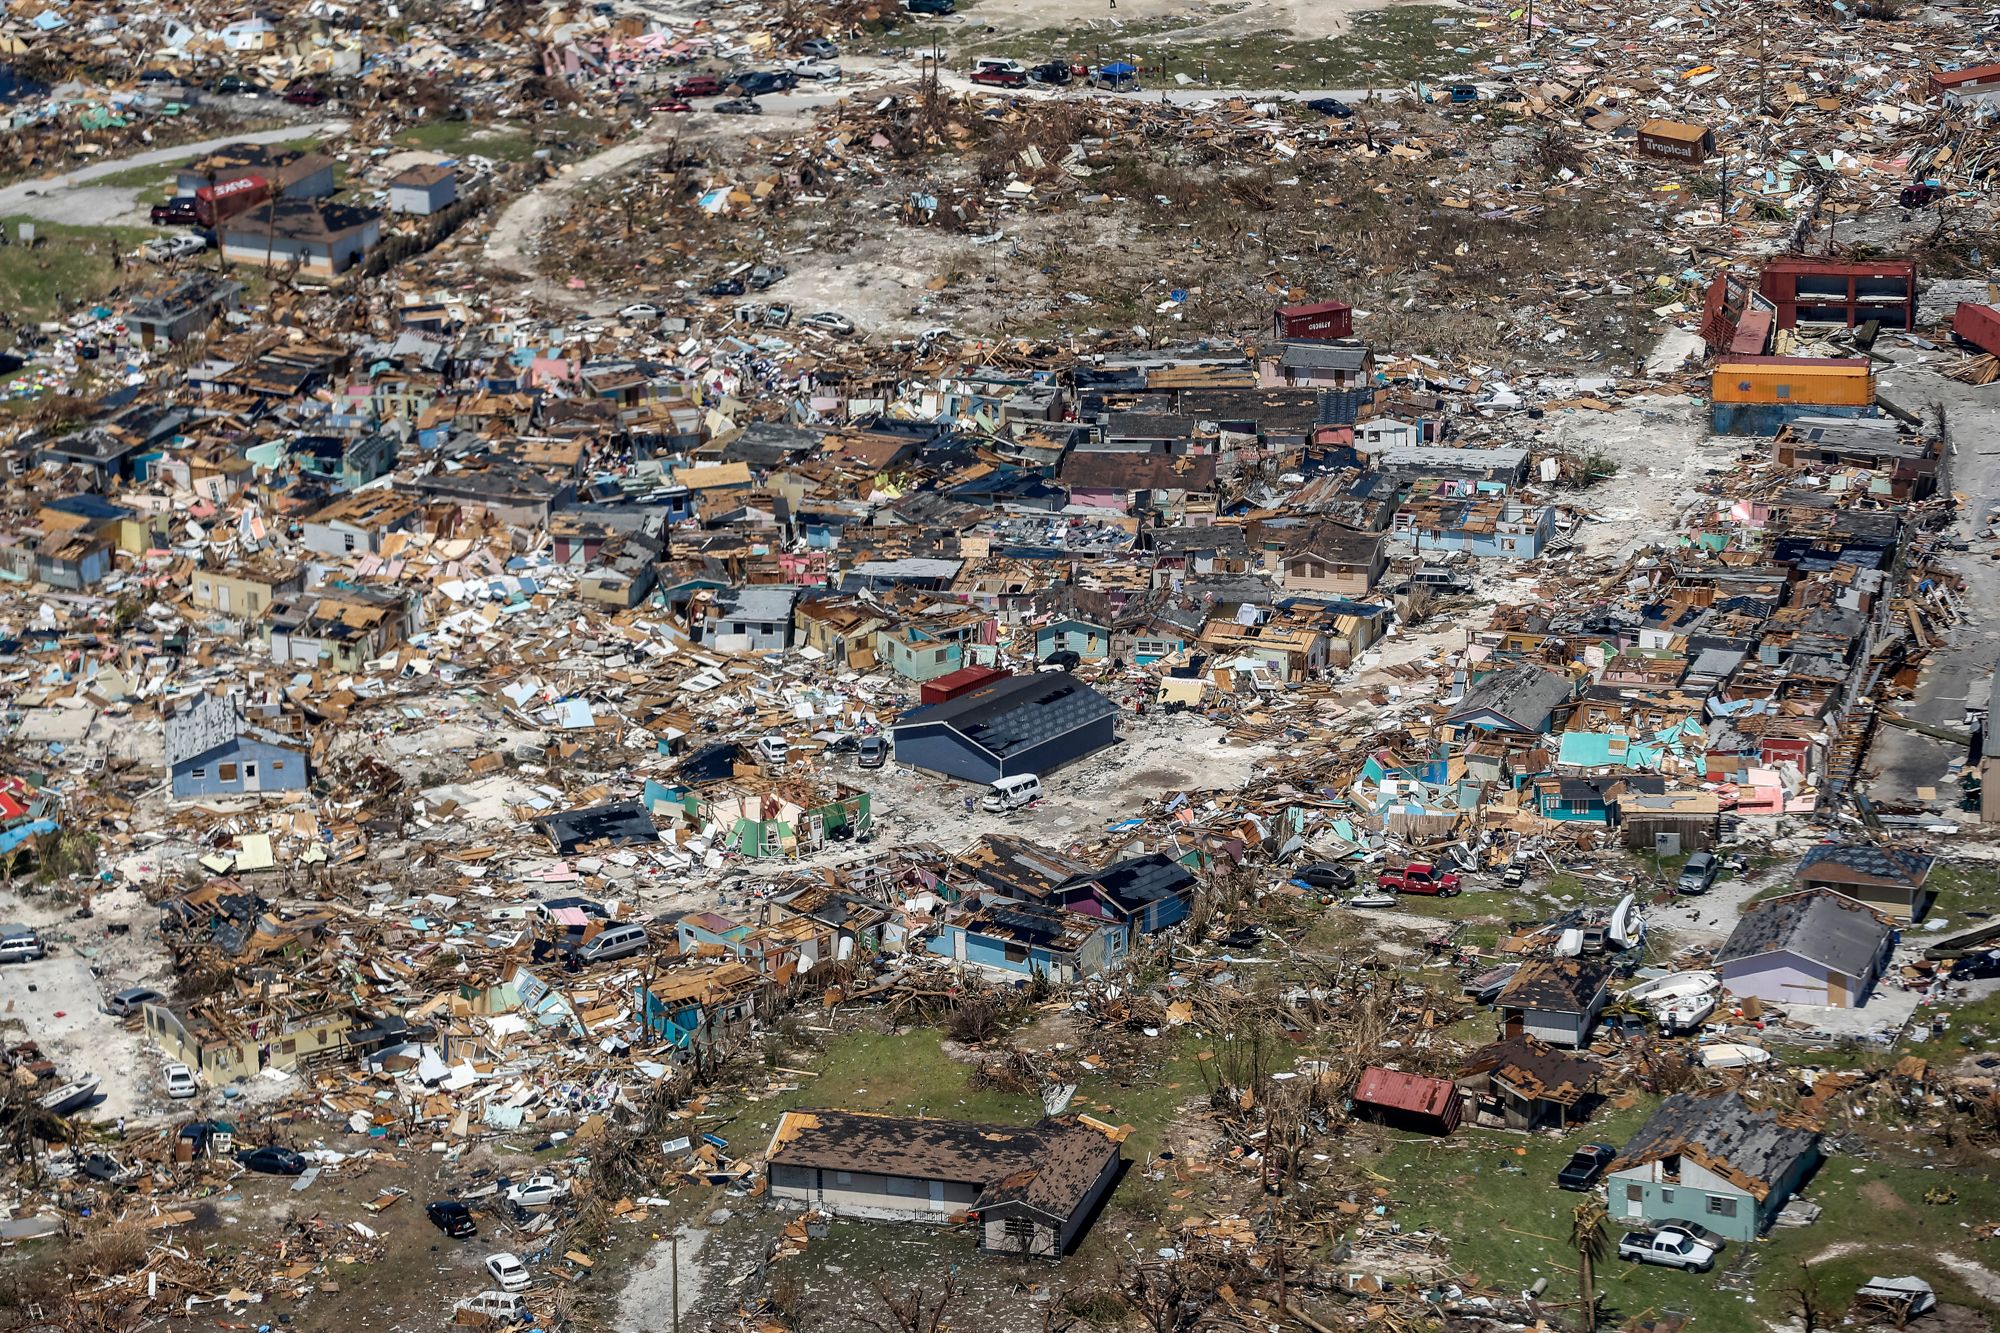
(1815, 381)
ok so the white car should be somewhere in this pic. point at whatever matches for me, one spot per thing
(813, 69)
(508, 1272)
(181, 1082)
(827, 321)
(640, 310)
(536, 1191)
(174, 247)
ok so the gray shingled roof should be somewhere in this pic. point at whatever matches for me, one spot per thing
(1830, 930)
(1720, 1131)
(1524, 694)
(1867, 859)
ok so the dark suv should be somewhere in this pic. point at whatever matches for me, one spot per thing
(179, 212)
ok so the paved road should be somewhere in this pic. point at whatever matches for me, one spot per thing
(1956, 674)
(70, 197)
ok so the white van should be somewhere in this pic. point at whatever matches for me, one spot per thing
(1012, 793)
(494, 1304)
(619, 941)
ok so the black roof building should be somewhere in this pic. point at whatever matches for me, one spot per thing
(1012, 726)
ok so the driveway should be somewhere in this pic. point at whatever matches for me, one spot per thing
(70, 198)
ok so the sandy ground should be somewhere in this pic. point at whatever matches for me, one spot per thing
(1663, 451)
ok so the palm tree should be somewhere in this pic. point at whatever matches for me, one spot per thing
(1587, 1234)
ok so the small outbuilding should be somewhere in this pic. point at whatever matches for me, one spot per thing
(423, 190)
(1888, 880)
(1407, 1101)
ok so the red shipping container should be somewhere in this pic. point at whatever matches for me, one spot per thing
(958, 682)
(1978, 325)
(1327, 321)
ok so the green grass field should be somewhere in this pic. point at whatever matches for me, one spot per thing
(73, 261)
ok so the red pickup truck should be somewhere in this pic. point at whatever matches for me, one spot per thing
(1419, 877)
(1000, 77)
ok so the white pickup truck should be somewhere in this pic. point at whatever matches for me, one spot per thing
(1670, 1247)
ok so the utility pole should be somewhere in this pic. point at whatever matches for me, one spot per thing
(675, 1242)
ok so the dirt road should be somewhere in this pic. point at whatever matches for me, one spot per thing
(70, 198)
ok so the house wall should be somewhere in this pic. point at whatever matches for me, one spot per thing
(871, 1195)
(227, 770)
(1555, 1029)
(1639, 1195)
(1050, 1242)
(1307, 573)
(1787, 978)
(1889, 900)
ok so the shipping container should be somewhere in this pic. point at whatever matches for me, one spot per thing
(1677, 140)
(1326, 321)
(1975, 84)
(955, 683)
(1828, 291)
(1806, 380)
(216, 204)
(1978, 325)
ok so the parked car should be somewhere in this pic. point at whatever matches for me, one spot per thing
(451, 1217)
(1919, 195)
(772, 749)
(673, 107)
(738, 106)
(163, 248)
(21, 944)
(181, 1082)
(1330, 106)
(127, 1002)
(1698, 875)
(235, 85)
(1057, 72)
(756, 82)
(826, 321)
(1062, 659)
(536, 1191)
(1325, 875)
(177, 212)
(701, 85)
(819, 48)
(765, 276)
(1585, 1165)
(726, 287)
(931, 6)
(1419, 877)
(307, 95)
(1513, 875)
(272, 1160)
(872, 753)
(621, 940)
(640, 310)
(1624, 1027)
(815, 71)
(509, 1273)
(1670, 1247)
(1001, 76)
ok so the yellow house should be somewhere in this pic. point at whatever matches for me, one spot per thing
(246, 589)
(224, 1048)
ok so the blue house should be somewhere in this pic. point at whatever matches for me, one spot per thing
(693, 1008)
(1090, 641)
(1142, 895)
(1018, 941)
(212, 751)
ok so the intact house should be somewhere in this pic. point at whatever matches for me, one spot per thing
(1328, 558)
(1554, 1000)
(1890, 881)
(1813, 947)
(755, 618)
(422, 190)
(1714, 1159)
(1032, 1190)
(1015, 725)
(212, 751)
(323, 239)
(1522, 699)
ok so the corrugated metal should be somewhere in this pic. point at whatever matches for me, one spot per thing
(1833, 382)
(1978, 325)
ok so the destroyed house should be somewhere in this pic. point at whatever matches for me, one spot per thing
(1522, 1083)
(1715, 1159)
(1033, 1189)
(619, 824)
(1142, 894)
(225, 1047)
(345, 628)
(172, 312)
(1020, 941)
(360, 521)
(1012, 868)
(1524, 699)
(1018, 724)
(1885, 879)
(1554, 1000)
(212, 751)
(1814, 947)
(757, 817)
(697, 1008)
